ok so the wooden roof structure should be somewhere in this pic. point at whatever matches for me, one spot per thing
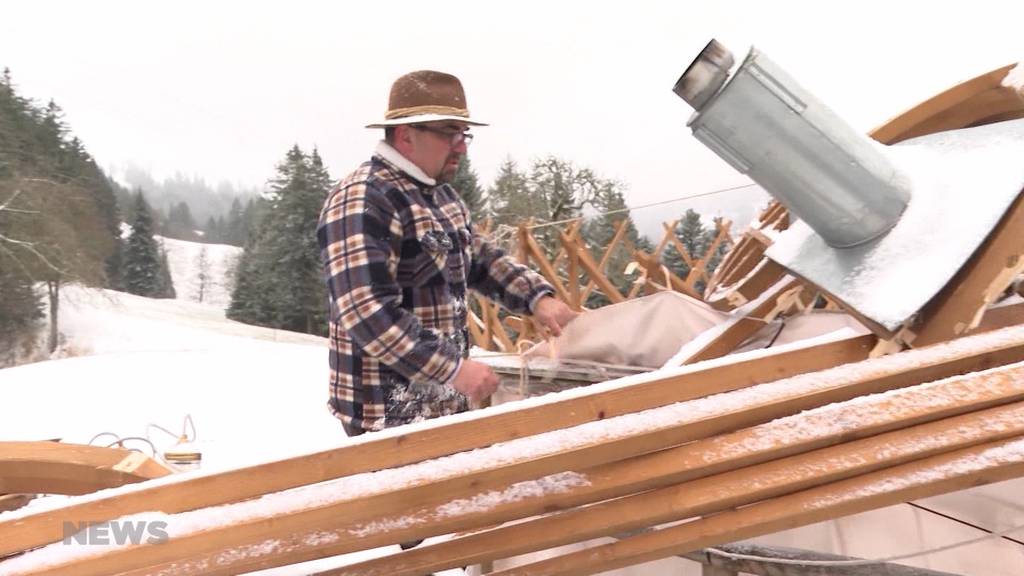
(716, 450)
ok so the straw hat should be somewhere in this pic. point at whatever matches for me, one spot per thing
(426, 96)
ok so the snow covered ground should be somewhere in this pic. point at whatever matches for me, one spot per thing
(251, 391)
(190, 261)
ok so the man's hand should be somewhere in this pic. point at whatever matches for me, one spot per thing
(553, 314)
(476, 380)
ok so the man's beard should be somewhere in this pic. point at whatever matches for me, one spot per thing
(448, 171)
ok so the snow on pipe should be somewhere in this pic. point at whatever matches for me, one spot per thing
(766, 125)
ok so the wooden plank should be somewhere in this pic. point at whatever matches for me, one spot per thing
(368, 509)
(709, 494)
(398, 446)
(587, 261)
(575, 298)
(10, 502)
(680, 249)
(958, 308)
(477, 330)
(523, 232)
(743, 328)
(620, 231)
(498, 331)
(571, 230)
(766, 274)
(996, 102)
(537, 254)
(655, 270)
(906, 125)
(58, 468)
(1001, 317)
(932, 476)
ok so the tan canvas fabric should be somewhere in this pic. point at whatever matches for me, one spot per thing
(640, 332)
(801, 327)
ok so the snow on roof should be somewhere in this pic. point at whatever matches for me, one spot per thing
(1015, 78)
(963, 182)
(460, 464)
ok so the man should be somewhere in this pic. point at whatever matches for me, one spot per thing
(399, 253)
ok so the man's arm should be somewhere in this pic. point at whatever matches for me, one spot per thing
(355, 234)
(497, 276)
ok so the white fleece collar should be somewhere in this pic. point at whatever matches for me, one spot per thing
(387, 152)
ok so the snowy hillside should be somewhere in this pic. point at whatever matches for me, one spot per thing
(201, 271)
(250, 390)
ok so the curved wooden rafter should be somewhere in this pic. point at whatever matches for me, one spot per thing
(57, 468)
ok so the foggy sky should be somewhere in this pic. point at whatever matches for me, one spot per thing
(223, 89)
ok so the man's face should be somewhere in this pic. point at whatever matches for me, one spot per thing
(439, 146)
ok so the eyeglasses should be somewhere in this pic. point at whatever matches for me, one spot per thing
(454, 138)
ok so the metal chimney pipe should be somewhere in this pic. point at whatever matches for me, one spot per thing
(766, 125)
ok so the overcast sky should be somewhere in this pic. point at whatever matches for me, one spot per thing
(223, 89)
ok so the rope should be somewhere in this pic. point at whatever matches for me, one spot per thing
(631, 208)
(937, 549)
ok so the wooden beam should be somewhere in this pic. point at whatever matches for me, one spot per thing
(400, 446)
(1001, 317)
(478, 330)
(498, 330)
(931, 476)
(58, 468)
(655, 269)
(740, 329)
(537, 254)
(708, 495)
(10, 502)
(765, 274)
(620, 231)
(908, 124)
(367, 509)
(959, 306)
(587, 261)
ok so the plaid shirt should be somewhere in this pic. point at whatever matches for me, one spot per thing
(399, 253)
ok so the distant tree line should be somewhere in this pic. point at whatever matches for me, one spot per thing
(60, 223)
(278, 281)
(59, 220)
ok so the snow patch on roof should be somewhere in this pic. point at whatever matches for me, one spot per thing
(1015, 78)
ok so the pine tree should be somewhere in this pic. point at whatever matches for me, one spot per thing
(508, 197)
(598, 233)
(692, 235)
(165, 286)
(467, 184)
(697, 239)
(180, 223)
(278, 281)
(234, 231)
(143, 262)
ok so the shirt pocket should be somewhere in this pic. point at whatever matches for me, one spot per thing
(425, 258)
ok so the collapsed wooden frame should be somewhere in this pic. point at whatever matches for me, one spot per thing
(59, 468)
(624, 464)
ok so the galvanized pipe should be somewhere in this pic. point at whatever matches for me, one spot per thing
(766, 125)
